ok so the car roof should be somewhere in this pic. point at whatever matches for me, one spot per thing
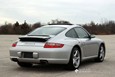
(66, 26)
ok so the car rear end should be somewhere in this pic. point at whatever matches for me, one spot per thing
(39, 49)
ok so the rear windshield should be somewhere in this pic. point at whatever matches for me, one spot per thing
(47, 31)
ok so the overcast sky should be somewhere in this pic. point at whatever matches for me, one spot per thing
(75, 11)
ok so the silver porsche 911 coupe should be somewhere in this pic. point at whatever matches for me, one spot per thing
(57, 44)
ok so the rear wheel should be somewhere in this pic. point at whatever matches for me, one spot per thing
(23, 64)
(75, 59)
(101, 54)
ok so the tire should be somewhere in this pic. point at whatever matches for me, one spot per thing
(101, 54)
(23, 64)
(75, 59)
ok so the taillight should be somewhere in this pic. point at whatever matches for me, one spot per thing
(14, 44)
(53, 45)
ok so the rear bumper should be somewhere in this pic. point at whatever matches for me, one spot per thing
(50, 61)
(52, 56)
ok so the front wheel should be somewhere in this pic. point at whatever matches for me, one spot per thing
(75, 59)
(101, 54)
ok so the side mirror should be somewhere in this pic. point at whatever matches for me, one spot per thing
(92, 36)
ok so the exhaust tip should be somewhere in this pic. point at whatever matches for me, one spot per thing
(14, 59)
(43, 62)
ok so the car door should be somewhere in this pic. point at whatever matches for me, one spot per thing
(88, 45)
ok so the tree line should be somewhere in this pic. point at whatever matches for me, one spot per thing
(18, 29)
(21, 29)
(105, 28)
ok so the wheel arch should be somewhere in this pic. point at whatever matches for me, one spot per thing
(98, 59)
(77, 46)
(70, 63)
(103, 45)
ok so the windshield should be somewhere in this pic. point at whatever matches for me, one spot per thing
(47, 31)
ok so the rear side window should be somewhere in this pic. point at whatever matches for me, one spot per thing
(81, 33)
(71, 33)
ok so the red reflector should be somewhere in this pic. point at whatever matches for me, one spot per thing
(53, 45)
(14, 44)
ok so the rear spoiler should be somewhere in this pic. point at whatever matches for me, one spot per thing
(33, 38)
